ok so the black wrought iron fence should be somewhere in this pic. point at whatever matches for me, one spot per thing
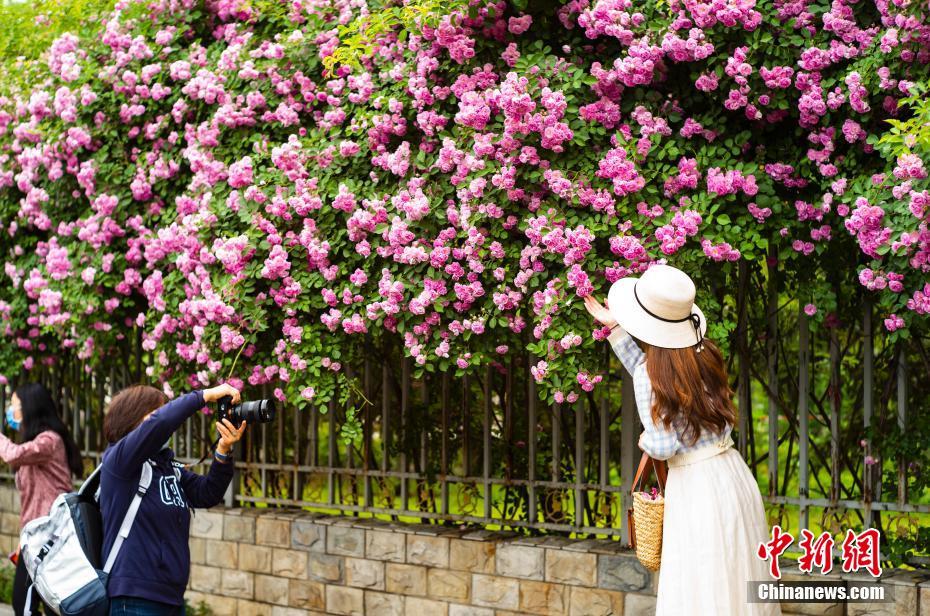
(483, 449)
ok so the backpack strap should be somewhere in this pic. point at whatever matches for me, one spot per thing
(27, 609)
(145, 481)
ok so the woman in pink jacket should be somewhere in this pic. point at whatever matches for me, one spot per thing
(45, 459)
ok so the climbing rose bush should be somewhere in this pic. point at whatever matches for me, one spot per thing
(189, 175)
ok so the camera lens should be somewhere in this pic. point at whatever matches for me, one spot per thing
(257, 411)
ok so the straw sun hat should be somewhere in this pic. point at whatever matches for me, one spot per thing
(658, 308)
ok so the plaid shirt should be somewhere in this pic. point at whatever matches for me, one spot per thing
(658, 441)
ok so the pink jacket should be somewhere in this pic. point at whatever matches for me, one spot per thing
(42, 472)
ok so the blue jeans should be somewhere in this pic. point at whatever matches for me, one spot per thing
(135, 606)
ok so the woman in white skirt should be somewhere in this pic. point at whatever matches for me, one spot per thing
(714, 517)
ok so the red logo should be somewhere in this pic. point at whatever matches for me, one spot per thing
(817, 553)
(774, 548)
(859, 551)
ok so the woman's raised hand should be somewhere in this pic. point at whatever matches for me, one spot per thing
(215, 393)
(598, 311)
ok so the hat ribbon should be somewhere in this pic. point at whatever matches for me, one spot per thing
(693, 317)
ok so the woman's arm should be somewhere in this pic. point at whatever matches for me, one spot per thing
(128, 454)
(623, 345)
(205, 491)
(37, 451)
(658, 441)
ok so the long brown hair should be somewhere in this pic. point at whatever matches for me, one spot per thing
(692, 388)
(128, 408)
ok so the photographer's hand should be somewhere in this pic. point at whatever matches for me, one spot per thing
(229, 436)
(215, 393)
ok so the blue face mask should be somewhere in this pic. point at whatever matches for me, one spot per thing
(10, 420)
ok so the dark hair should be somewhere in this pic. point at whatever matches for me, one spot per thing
(41, 414)
(691, 386)
(128, 408)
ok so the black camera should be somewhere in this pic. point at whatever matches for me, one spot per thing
(257, 411)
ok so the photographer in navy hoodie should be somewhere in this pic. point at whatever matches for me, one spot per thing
(151, 572)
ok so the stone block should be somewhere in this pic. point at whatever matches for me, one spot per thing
(575, 568)
(239, 528)
(345, 541)
(207, 525)
(206, 579)
(405, 579)
(813, 609)
(385, 545)
(271, 589)
(429, 551)
(251, 608)
(456, 609)
(254, 558)
(306, 594)
(193, 598)
(448, 585)
(639, 605)
(520, 561)
(495, 591)
(326, 568)
(239, 584)
(364, 573)
(308, 535)
(473, 556)
(223, 554)
(277, 610)
(6, 499)
(418, 606)
(904, 604)
(622, 572)
(198, 551)
(543, 598)
(273, 532)
(289, 563)
(383, 604)
(595, 602)
(222, 606)
(345, 601)
(924, 599)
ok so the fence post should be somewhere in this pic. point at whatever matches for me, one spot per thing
(771, 349)
(629, 428)
(533, 396)
(902, 420)
(867, 407)
(579, 408)
(835, 399)
(486, 439)
(803, 414)
(744, 386)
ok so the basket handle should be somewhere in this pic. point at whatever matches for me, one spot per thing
(658, 466)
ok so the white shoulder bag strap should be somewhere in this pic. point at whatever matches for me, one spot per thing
(144, 482)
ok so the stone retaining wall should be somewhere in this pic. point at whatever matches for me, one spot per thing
(295, 563)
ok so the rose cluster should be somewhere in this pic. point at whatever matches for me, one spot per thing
(192, 177)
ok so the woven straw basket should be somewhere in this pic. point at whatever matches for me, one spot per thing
(647, 520)
(644, 518)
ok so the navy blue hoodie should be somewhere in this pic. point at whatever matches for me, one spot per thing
(154, 562)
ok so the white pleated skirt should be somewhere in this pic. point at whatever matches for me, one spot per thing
(714, 522)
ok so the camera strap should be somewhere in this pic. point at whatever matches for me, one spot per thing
(210, 450)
